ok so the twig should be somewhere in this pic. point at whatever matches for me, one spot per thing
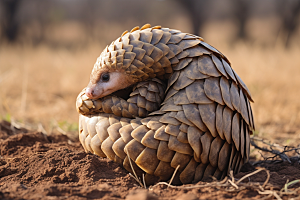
(228, 183)
(268, 178)
(267, 143)
(192, 187)
(41, 129)
(255, 172)
(270, 192)
(233, 184)
(282, 155)
(277, 153)
(174, 174)
(144, 181)
(136, 177)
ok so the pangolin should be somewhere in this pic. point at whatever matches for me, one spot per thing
(160, 99)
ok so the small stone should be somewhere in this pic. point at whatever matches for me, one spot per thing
(189, 196)
(141, 194)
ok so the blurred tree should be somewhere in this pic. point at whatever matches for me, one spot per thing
(10, 25)
(241, 13)
(196, 10)
(289, 11)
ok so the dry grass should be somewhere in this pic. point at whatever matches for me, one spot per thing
(40, 84)
(272, 76)
(265, 189)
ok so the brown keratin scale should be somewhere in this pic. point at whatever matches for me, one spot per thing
(166, 98)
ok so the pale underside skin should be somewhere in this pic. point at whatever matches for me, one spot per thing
(118, 80)
(186, 107)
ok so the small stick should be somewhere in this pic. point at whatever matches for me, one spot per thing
(268, 178)
(173, 175)
(270, 193)
(282, 154)
(144, 181)
(233, 184)
(136, 177)
(232, 177)
(255, 172)
(224, 180)
(41, 129)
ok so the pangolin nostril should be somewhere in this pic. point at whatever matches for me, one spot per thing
(89, 92)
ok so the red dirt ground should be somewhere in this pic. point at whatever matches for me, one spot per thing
(37, 166)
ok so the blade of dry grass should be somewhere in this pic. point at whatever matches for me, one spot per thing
(135, 176)
(173, 175)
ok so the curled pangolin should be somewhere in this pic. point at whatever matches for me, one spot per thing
(164, 99)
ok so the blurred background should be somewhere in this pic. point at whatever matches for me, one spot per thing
(48, 48)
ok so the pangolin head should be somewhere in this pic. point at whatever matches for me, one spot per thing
(125, 62)
(117, 67)
(106, 78)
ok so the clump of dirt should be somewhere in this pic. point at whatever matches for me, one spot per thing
(7, 129)
(38, 166)
(280, 172)
(34, 166)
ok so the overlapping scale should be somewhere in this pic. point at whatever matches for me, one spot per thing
(200, 119)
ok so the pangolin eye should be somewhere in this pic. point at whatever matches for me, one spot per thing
(105, 77)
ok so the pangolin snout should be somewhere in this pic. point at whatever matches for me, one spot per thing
(90, 93)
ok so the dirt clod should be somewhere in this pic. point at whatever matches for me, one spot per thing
(141, 194)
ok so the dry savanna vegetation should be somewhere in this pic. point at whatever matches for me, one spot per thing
(39, 85)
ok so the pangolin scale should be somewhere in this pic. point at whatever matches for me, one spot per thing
(187, 108)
